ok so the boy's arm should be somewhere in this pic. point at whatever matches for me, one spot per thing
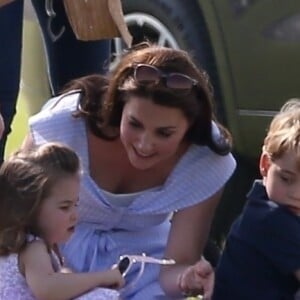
(46, 284)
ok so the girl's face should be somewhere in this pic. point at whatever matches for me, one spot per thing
(282, 180)
(151, 133)
(58, 213)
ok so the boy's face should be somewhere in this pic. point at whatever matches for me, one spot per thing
(282, 180)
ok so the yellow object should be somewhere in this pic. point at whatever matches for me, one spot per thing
(19, 128)
(34, 89)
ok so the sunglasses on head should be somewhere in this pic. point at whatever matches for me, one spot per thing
(147, 74)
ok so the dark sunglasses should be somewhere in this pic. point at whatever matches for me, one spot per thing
(147, 74)
(126, 262)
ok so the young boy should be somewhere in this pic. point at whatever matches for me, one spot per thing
(261, 259)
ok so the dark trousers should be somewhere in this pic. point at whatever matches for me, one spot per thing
(67, 58)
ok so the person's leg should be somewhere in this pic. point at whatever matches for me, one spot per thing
(11, 18)
(69, 58)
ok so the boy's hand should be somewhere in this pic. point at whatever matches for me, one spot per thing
(198, 279)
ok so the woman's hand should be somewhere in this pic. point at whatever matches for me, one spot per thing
(197, 279)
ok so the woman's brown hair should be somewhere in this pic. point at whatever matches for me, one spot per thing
(103, 99)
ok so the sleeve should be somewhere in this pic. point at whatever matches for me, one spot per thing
(55, 122)
(279, 240)
(196, 177)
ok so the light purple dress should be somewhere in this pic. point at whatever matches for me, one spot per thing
(107, 230)
(13, 285)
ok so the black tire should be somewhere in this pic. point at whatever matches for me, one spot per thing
(185, 22)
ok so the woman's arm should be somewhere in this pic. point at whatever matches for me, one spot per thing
(188, 235)
(46, 284)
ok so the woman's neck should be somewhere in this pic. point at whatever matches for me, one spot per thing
(112, 171)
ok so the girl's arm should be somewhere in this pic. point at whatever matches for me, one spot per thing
(188, 235)
(46, 284)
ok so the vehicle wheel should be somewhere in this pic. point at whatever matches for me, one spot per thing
(176, 24)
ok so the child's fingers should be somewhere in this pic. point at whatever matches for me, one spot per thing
(189, 282)
(203, 268)
(208, 285)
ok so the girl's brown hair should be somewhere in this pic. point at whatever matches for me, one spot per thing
(26, 179)
(103, 99)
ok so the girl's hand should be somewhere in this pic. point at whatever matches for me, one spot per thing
(198, 279)
(114, 279)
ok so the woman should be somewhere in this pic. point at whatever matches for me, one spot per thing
(149, 149)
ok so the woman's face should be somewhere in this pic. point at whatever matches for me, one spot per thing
(151, 133)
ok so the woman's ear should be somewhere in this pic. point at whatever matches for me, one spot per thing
(264, 164)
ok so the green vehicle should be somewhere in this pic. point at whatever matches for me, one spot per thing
(250, 48)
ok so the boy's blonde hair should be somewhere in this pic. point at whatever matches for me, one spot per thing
(284, 131)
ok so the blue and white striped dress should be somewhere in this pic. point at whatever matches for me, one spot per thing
(107, 230)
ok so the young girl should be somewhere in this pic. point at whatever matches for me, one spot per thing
(38, 209)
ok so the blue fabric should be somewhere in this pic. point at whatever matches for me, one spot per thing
(262, 252)
(107, 231)
(68, 58)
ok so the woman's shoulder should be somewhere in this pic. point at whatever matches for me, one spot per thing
(59, 105)
(56, 121)
(66, 100)
(206, 160)
(202, 171)
(198, 175)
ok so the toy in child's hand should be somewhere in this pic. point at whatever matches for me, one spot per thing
(127, 261)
